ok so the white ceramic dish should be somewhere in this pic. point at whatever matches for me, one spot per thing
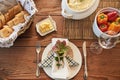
(96, 29)
(77, 57)
(53, 26)
(70, 14)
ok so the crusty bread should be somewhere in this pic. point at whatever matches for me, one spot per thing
(21, 20)
(19, 15)
(7, 18)
(8, 10)
(18, 20)
(5, 26)
(5, 32)
(1, 24)
(11, 14)
(17, 9)
(26, 13)
(2, 18)
(5, 5)
(10, 23)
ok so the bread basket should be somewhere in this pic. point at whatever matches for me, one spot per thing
(28, 6)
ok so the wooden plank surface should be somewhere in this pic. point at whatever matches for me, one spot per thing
(19, 61)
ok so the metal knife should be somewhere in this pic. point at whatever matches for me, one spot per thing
(85, 54)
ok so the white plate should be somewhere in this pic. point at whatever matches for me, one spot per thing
(77, 57)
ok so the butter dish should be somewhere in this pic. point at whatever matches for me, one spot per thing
(46, 26)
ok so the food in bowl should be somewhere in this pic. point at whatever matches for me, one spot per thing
(109, 22)
(79, 4)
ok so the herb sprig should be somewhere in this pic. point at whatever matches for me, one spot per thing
(60, 49)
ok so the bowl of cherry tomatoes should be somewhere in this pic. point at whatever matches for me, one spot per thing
(107, 22)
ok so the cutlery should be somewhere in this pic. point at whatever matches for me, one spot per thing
(85, 54)
(38, 49)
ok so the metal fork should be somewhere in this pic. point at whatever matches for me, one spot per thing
(38, 49)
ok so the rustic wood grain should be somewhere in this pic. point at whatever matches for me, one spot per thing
(49, 7)
(18, 61)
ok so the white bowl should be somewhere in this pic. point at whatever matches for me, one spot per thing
(96, 29)
(69, 13)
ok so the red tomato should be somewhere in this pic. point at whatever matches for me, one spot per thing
(112, 16)
(103, 27)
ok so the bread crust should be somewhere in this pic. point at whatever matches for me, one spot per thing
(2, 18)
(1, 24)
(5, 32)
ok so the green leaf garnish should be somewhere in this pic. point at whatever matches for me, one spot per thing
(81, 0)
(60, 49)
(58, 64)
(61, 54)
(61, 58)
(56, 58)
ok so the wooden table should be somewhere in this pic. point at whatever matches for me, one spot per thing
(18, 62)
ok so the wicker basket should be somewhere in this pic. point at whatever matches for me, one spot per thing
(22, 30)
(29, 6)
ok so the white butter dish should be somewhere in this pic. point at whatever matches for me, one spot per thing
(46, 26)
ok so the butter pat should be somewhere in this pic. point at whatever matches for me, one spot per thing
(46, 26)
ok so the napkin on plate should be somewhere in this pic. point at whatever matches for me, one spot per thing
(48, 61)
(61, 69)
(64, 71)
